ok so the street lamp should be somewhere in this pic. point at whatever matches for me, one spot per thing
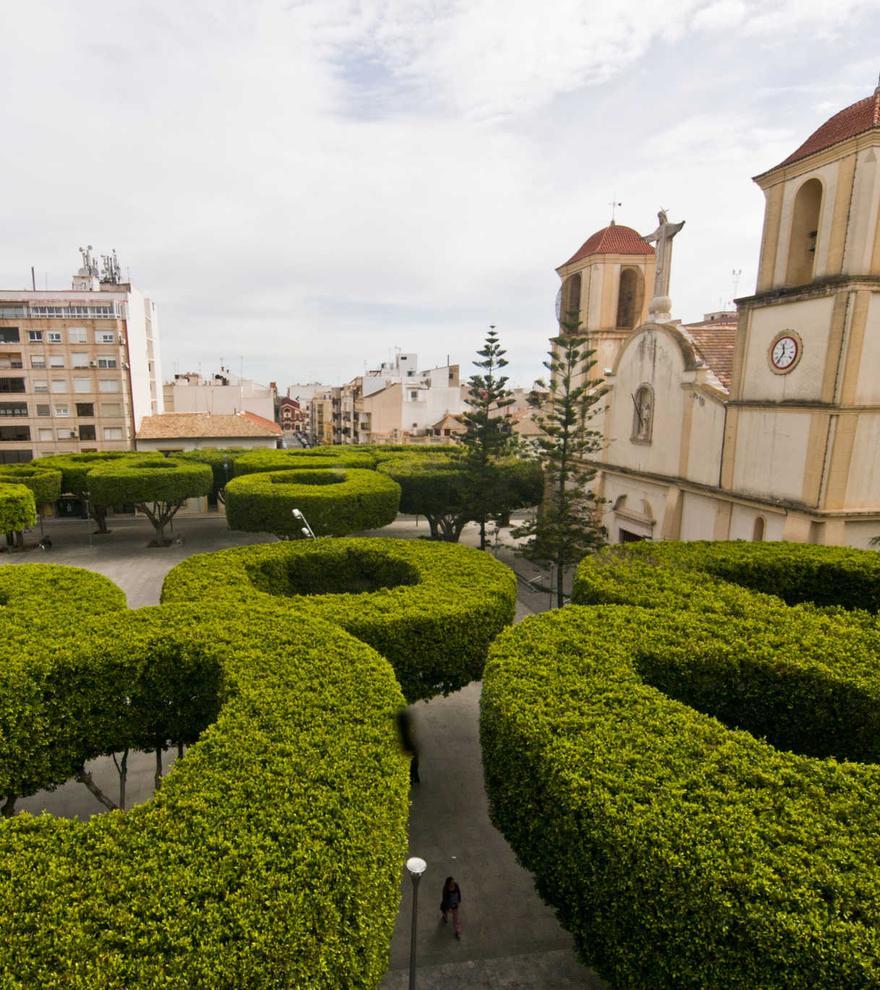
(416, 867)
(306, 529)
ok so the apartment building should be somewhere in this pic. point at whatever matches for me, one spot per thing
(79, 369)
(221, 394)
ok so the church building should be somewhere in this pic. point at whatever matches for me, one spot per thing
(762, 424)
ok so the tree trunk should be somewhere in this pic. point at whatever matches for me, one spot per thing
(180, 751)
(560, 593)
(84, 777)
(9, 806)
(482, 532)
(122, 770)
(157, 780)
(99, 514)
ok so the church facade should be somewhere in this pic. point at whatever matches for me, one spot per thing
(759, 424)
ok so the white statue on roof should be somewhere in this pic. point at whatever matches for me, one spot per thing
(660, 308)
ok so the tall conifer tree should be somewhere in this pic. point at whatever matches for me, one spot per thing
(566, 525)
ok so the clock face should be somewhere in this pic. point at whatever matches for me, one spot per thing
(784, 352)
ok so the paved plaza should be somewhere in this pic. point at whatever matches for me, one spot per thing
(510, 939)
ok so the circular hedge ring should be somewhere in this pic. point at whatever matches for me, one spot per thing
(271, 855)
(335, 501)
(707, 783)
(42, 593)
(430, 608)
(44, 482)
(260, 461)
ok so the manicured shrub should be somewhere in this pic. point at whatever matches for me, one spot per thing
(440, 488)
(75, 470)
(43, 593)
(271, 855)
(703, 768)
(158, 486)
(45, 483)
(431, 609)
(335, 501)
(259, 461)
(18, 510)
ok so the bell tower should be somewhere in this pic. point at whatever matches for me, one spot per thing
(606, 288)
(804, 416)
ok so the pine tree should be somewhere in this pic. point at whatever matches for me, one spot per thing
(566, 525)
(487, 433)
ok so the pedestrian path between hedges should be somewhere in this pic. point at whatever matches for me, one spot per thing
(511, 939)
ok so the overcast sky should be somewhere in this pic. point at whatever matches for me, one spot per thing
(302, 186)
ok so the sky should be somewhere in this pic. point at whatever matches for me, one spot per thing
(304, 186)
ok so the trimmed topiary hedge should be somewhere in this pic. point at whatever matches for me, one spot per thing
(18, 510)
(221, 460)
(335, 501)
(672, 573)
(42, 593)
(431, 609)
(271, 855)
(697, 791)
(259, 461)
(45, 483)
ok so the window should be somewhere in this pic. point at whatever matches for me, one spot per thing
(45, 434)
(758, 529)
(12, 385)
(40, 385)
(630, 295)
(77, 335)
(35, 336)
(570, 300)
(111, 409)
(79, 359)
(38, 361)
(56, 360)
(59, 385)
(66, 433)
(13, 409)
(82, 385)
(87, 433)
(108, 385)
(85, 409)
(112, 432)
(804, 230)
(62, 409)
(16, 456)
(105, 362)
(43, 410)
(53, 336)
(643, 415)
(11, 434)
(9, 335)
(104, 337)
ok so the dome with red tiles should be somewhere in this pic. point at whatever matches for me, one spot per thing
(856, 119)
(613, 239)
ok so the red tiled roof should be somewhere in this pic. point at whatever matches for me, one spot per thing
(179, 426)
(857, 119)
(715, 339)
(614, 239)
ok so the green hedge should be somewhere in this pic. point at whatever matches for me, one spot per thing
(153, 479)
(259, 461)
(432, 609)
(45, 483)
(18, 510)
(271, 855)
(43, 593)
(670, 572)
(75, 468)
(335, 501)
(705, 772)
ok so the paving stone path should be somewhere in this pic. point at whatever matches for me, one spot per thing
(511, 939)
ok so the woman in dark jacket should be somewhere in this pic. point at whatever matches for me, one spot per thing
(450, 902)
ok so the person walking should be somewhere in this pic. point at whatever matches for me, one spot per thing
(450, 902)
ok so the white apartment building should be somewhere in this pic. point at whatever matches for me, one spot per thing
(79, 369)
(223, 394)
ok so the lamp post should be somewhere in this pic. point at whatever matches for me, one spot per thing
(306, 529)
(416, 867)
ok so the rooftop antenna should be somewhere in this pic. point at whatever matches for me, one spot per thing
(736, 273)
(877, 90)
(614, 204)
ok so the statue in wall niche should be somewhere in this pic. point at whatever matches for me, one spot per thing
(660, 309)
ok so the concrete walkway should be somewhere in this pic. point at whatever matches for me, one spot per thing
(511, 939)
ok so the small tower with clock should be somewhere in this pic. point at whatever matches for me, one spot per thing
(803, 419)
(606, 288)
